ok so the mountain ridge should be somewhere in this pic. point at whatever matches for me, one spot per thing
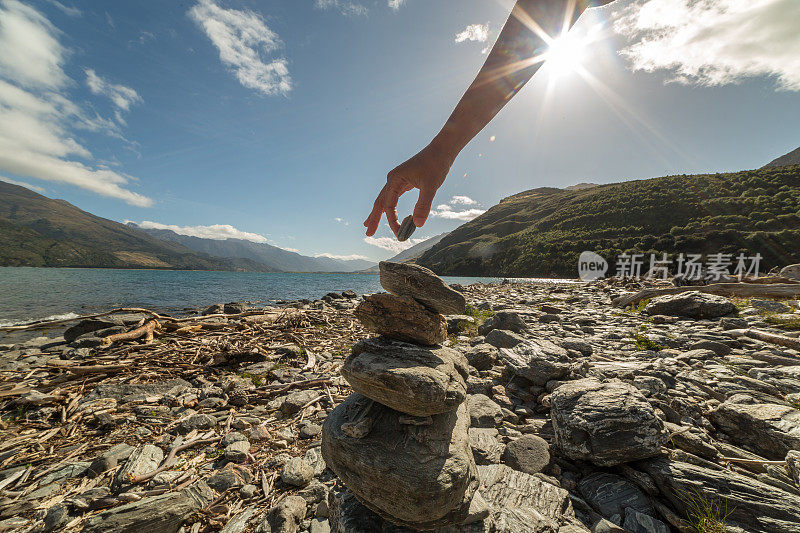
(39, 231)
(541, 232)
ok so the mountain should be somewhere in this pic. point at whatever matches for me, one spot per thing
(542, 232)
(412, 253)
(272, 256)
(792, 158)
(39, 231)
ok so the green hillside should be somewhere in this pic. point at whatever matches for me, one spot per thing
(542, 232)
(38, 231)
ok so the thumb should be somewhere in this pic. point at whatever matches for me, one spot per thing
(423, 207)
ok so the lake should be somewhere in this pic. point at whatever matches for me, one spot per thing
(28, 294)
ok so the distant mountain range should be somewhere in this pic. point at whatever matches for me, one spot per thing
(39, 231)
(412, 253)
(265, 254)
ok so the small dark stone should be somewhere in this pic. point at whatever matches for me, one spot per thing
(406, 229)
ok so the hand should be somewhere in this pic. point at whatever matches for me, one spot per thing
(425, 171)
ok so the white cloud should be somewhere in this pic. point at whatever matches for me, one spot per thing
(340, 220)
(123, 97)
(462, 200)
(714, 42)
(67, 10)
(474, 32)
(392, 244)
(446, 210)
(36, 116)
(218, 232)
(244, 41)
(351, 257)
(345, 7)
(396, 4)
(25, 184)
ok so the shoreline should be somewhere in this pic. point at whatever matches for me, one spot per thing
(268, 381)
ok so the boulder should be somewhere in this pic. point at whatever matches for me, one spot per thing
(482, 356)
(793, 466)
(605, 423)
(286, 516)
(483, 412)
(691, 304)
(529, 454)
(507, 320)
(418, 475)
(297, 472)
(521, 503)
(143, 460)
(538, 361)
(89, 325)
(486, 449)
(768, 428)
(412, 379)
(611, 495)
(422, 285)
(754, 506)
(791, 272)
(500, 338)
(401, 318)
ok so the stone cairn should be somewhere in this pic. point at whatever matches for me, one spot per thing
(400, 442)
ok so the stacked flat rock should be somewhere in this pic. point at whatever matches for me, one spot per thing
(400, 443)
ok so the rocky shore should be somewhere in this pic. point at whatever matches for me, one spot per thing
(533, 408)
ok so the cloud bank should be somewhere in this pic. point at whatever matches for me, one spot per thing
(448, 212)
(392, 244)
(714, 42)
(474, 32)
(37, 117)
(217, 232)
(351, 257)
(244, 42)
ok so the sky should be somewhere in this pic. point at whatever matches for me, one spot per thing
(277, 121)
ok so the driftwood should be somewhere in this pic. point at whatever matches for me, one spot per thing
(145, 331)
(744, 290)
(780, 340)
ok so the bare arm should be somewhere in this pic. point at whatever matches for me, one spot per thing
(514, 59)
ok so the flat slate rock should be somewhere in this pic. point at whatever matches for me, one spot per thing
(164, 513)
(692, 304)
(768, 428)
(421, 476)
(401, 318)
(537, 360)
(754, 506)
(412, 379)
(605, 423)
(422, 285)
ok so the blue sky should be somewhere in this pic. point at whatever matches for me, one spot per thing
(277, 121)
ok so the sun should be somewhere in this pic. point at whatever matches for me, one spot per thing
(565, 55)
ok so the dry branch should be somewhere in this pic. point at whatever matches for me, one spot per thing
(780, 340)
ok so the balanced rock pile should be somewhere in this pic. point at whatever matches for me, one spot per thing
(400, 443)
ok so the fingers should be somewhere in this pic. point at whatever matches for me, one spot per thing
(374, 218)
(390, 207)
(423, 207)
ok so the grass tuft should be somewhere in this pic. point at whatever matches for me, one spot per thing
(704, 514)
(643, 342)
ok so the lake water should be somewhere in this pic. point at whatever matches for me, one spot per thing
(28, 294)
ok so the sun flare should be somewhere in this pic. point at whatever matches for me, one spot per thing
(565, 55)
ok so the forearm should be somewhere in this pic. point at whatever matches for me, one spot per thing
(514, 59)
